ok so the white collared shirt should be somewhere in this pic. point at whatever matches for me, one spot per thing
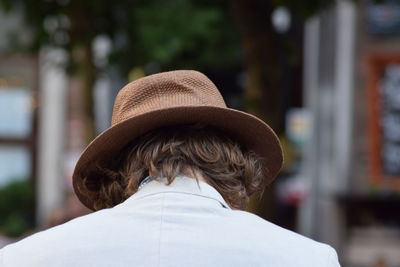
(187, 223)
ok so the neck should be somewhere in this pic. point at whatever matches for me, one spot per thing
(193, 173)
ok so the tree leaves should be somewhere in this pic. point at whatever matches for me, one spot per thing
(174, 33)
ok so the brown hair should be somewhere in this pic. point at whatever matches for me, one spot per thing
(193, 150)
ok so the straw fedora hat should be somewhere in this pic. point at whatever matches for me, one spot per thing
(175, 98)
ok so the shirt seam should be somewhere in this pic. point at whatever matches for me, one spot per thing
(186, 193)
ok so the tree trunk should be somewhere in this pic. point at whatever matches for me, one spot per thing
(261, 59)
(89, 79)
(85, 76)
(81, 106)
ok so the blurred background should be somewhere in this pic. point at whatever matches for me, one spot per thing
(325, 74)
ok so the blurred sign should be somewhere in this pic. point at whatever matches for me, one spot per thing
(384, 121)
(390, 120)
(298, 126)
(384, 18)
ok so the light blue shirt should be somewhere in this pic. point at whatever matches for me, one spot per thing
(187, 223)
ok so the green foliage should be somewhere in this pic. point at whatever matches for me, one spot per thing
(184, 33)
(176, 34)
(17, 206)
(173, 33)
(170, 33)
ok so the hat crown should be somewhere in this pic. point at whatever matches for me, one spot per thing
(163, 91)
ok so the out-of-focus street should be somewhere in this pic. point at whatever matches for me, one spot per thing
(325, 77)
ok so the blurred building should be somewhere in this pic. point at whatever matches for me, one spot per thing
(18, 131)
(352, 161)
(18, 89)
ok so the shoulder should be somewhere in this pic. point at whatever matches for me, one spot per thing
(270, 237)
(26, 251)
(69, 229)
(255, 225)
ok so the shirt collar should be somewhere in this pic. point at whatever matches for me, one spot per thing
(181, 184)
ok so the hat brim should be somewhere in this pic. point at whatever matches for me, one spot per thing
(250, 131)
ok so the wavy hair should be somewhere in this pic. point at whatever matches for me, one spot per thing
(192, 150)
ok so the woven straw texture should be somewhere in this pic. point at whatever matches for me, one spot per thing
(173, 98)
